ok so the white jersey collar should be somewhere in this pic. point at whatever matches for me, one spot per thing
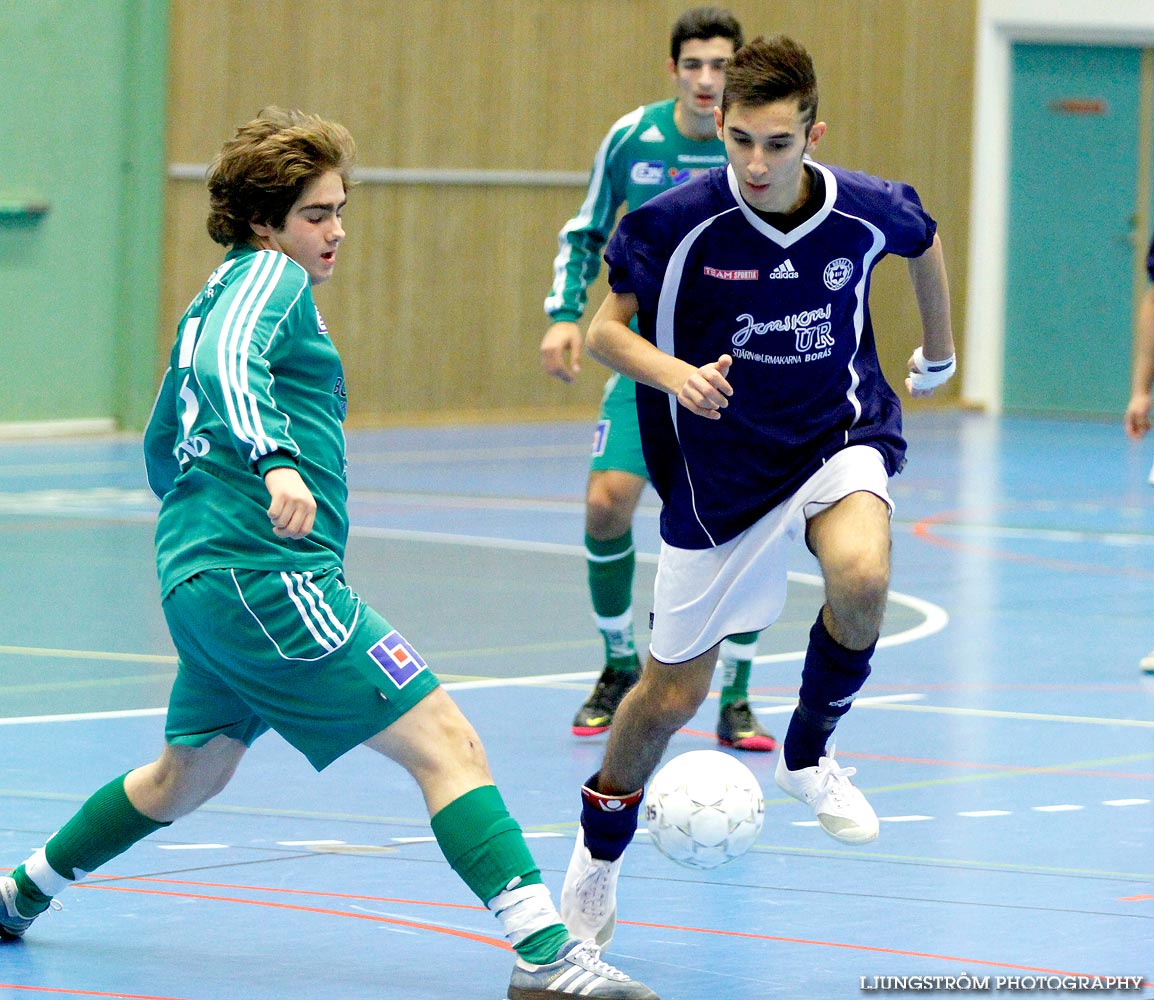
(807, 227)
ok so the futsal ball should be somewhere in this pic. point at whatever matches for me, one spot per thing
(704, 808)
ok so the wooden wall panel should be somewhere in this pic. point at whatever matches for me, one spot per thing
(437, 300)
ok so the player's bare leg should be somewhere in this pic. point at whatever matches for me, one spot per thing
(111, 820)
(852, 542)
(664, 699)
(182, 779)
(439, 747)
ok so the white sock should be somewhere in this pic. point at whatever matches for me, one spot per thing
(524, 911)
(46, 878)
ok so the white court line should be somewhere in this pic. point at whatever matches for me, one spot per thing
(128, 713)
(193, 847)
(527, 834)
(936, 619)
(881, 699)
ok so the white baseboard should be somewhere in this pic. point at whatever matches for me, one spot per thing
(57, 428)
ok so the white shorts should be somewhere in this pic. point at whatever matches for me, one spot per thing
(701, 596)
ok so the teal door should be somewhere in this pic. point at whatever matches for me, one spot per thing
(83, 119)
(1073, 192)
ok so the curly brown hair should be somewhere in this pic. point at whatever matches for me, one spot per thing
(262, 170)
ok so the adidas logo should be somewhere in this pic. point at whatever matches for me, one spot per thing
(784, 270)
(652, 134)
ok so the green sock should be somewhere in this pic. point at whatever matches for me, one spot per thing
(736, 655)
(610, 564)
(106, 825)
(30, 901)
(484, 845)
(541, 946)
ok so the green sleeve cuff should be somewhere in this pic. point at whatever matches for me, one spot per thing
(565, 316)
(275, 460)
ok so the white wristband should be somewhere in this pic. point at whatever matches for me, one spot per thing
(931, 374)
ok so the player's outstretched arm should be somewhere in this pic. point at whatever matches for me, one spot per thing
(1137, 419)
(561, 350)
(703, 390)
(933, 363)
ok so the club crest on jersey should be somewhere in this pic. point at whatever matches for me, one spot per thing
(647, 172)
(321, 328)
(399, 660)
(837, 273)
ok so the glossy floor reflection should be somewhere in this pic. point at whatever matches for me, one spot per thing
(1006, 737)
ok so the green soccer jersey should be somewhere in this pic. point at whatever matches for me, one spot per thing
(254, 382)
(643, 155)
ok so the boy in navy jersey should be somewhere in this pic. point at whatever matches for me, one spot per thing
(764, 417)
(649, 150)
(245, 450)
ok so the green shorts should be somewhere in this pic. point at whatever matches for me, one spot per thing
(296, 652)
(617, 440)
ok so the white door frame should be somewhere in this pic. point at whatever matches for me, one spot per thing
(1001, 23)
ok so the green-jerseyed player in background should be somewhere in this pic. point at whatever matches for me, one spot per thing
(246, 451)
(647, 151)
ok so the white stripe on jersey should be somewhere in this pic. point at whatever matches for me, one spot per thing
(229, 363)
(239, 326)
(666, 311)
(239, 341)
(868, 258)
(584, 216)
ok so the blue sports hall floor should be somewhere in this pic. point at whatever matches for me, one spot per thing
(1006, 737)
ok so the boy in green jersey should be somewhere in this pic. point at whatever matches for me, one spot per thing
(649, 150)
(245, 448)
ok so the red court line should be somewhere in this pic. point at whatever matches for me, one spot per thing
(864, 947)
(451, 931)
(1000, 767)
(82, 993)
(266, 888)
(1134, 899)
(484, 939)
(923, 529)
(977, 765)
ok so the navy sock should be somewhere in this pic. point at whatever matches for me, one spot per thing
(832, 675)
(608, 821)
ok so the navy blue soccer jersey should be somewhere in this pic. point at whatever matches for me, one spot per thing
(712, 277)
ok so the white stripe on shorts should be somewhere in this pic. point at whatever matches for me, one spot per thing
(315, 611)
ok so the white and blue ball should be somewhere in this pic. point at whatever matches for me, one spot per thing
(704, 808)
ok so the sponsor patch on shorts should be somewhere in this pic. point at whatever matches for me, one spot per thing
(399, 660)
(600, 437)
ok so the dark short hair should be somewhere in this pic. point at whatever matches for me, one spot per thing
(263, 169)
(769, 70)
(704, 23)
